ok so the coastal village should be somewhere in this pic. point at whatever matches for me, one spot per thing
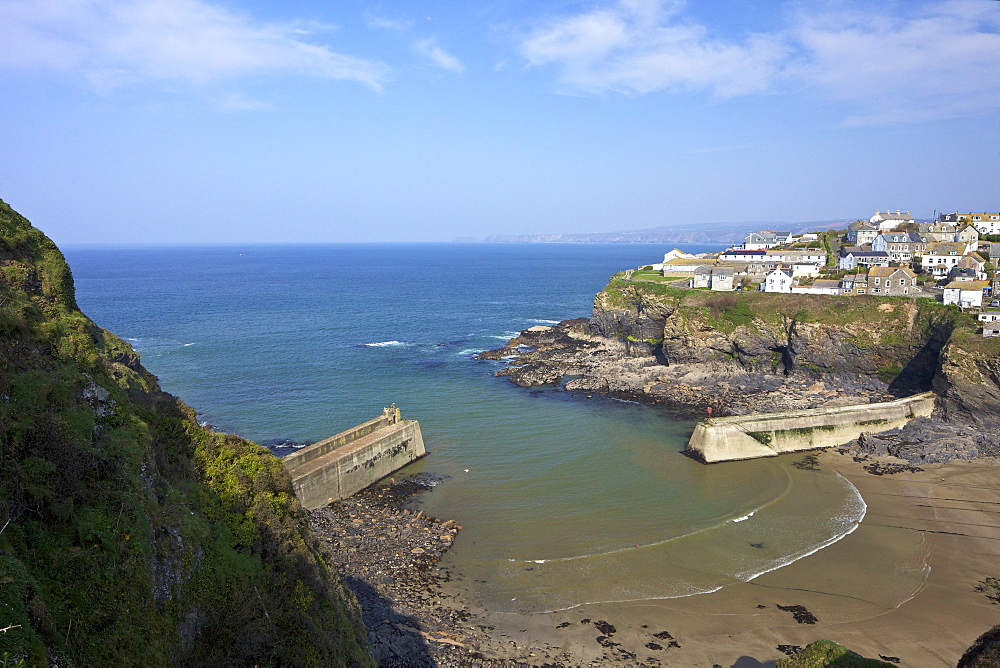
(952, 258)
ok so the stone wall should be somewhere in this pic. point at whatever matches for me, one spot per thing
(770, 434)
(339, 466)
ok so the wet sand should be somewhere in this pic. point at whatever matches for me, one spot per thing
(940, 527)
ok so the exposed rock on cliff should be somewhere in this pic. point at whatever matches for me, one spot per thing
(129, 535)
(752, 352)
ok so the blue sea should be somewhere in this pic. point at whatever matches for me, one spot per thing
(565, 499)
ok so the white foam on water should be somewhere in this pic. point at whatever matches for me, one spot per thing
(544, 322)
(745, 517)
(850, 521)
(385, 344)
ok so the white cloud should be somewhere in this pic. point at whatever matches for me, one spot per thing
(643, 46)
(383, 23)
(941, 61)
(429, 49)
(937, 60)
(111, 43)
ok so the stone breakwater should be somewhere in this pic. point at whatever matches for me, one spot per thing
(771, 434)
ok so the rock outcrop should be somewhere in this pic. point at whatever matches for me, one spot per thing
(741, 353)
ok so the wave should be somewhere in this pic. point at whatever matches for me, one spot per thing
(544, 322)
(506, 336)
(469, 351)
(185, 345)
(834, 528)
(386, 344)
(849, 526)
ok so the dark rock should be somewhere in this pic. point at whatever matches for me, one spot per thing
(605, 628)
(799, 612)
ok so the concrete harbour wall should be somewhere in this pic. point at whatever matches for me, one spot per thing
(339, 466)
(771, 434)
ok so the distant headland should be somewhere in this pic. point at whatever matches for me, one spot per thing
(681, 233)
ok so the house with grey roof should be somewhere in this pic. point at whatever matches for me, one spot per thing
(851, 258)
(886, 220)
(779, 280)
(861, 233)
(901, 246)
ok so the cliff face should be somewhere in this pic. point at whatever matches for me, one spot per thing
(129, 535)
(897, 342)
(748, 352)
(967, 381)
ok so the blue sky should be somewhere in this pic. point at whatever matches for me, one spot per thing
(210, 121)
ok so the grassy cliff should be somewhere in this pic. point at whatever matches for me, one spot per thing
(902, 342)
(128, 533)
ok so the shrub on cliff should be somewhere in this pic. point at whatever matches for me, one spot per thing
(828, 653)
(130, 534)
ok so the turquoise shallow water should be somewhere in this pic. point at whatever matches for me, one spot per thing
(563, 499)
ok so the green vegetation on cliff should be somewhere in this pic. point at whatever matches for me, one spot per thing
(898, 340)
(130, 535)
(826, 653)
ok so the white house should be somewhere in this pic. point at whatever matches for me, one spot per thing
(968, 234)
(985, 223)
(817, 257)
(760, 240)
(888, 221)
(800, 269)
(819, 287)
(740, 255)
(854, 258)
(682, 266)
(779, 280)
(939, 258)
(965, 293)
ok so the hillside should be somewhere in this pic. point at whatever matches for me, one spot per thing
(130, 535)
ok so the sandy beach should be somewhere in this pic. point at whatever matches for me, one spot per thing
(900, 587)
(940, 528)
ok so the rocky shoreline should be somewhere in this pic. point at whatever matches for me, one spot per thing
(387, 554)
(568, 353)
(570, 356)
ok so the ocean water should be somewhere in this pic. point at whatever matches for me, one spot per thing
(564, 499)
